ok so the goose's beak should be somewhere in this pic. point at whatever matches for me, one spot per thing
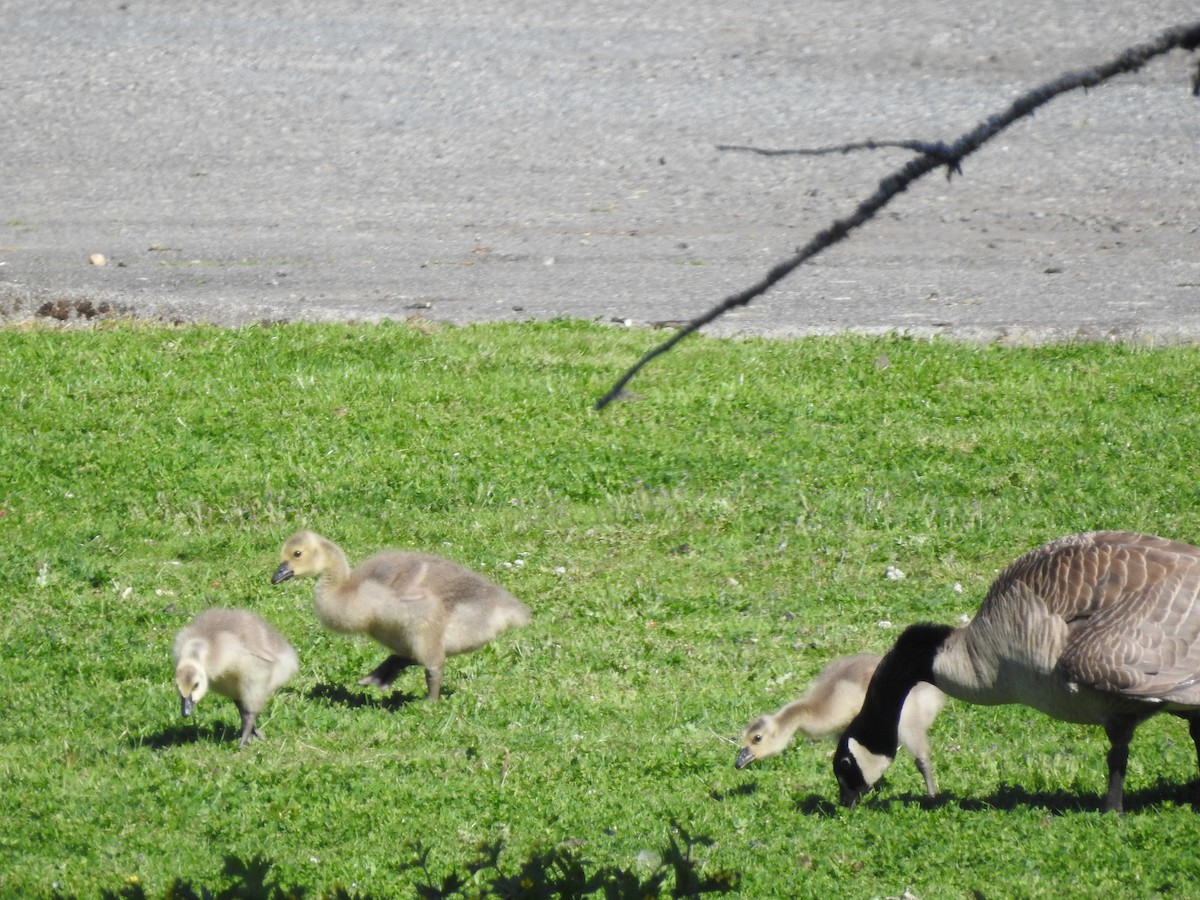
(743, 759)
(283, 573)
(186, 706)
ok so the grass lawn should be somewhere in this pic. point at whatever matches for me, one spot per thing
(693, 556)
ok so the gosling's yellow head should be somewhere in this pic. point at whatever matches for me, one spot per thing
(192, 682)
(303, 554)
(761, 738)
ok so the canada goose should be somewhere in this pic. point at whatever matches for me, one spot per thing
(831, 702)
(239, 656)
(1099, 628)
(421, 607)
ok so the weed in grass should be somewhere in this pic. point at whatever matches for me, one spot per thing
(691, 557)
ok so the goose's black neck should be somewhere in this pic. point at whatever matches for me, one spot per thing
(909, 661)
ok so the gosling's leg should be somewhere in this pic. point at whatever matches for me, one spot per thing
(925, 767)
(433, 682)
(385, 673)
(249, 732)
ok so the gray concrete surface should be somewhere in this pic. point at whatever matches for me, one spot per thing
(238, 162)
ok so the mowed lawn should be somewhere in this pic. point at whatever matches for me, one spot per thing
(693, 555)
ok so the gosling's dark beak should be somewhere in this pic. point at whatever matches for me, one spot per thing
(743, 759)
(186, 706)
(283, 573)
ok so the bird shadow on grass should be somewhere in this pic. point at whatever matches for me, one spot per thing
(1147, 799)
(1011, 797)
(746, 789)
(186, 733)
(340, 695)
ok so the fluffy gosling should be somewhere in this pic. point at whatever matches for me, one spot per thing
(421, 607)
(237, 655)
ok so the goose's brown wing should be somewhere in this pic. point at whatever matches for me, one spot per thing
(1138, 635)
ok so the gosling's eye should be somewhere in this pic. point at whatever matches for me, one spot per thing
(298, 554)
(758, 738)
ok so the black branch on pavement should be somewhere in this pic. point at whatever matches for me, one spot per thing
(933, 155)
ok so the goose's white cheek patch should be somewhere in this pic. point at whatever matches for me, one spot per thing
(872, 765)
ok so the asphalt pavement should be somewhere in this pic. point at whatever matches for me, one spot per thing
(231, 162)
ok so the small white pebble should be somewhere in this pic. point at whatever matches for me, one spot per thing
(884, 623)
(895, 574)
(733, 582)
(958, 588)
(508, 565)
(518, 563)
(560, 570)
(964, 618)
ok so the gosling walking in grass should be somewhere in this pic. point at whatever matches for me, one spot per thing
(833, 699)
(421, 607)
(1100, 629)
(236, 654)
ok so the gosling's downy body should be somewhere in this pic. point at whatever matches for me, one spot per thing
(236, 654)
(421, 607)
(1100, 628)
(833, 699)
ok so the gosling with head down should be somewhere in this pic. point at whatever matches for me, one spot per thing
(421, 607)
(236, 654)
(833, 699)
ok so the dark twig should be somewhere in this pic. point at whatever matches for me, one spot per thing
(932, 156)
(915, 146)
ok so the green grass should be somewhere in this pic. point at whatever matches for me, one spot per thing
(692, 556)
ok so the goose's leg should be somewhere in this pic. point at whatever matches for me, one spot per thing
(385, 673)
(1194, 731)
(1120, 732)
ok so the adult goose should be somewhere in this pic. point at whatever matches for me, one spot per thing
(1100, 628)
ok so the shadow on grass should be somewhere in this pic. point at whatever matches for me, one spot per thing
(367, 696)
(557, 871)
(1011, 796)
(1148, 799)
(187, 733)
(745, 789)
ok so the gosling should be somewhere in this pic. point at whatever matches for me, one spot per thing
(239, 656)
(832, 701)
(421, 607)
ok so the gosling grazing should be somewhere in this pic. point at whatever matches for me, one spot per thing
(831, 702)
(1100, 629)
(421, 607)
(236, 654)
